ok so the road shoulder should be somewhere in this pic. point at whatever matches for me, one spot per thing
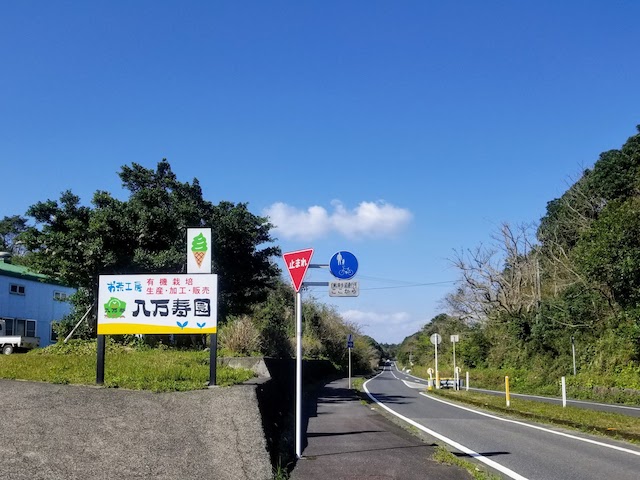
(347, 438)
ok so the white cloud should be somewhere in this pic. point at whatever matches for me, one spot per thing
(385, 327)
(368, 219)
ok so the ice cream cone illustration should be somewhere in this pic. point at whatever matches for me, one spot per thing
(199, 248)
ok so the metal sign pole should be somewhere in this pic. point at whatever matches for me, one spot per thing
(573, 351)
(298, 375)
(437, 373)
(349, 368)
(213, 358)
(100, 360)
(455, 375)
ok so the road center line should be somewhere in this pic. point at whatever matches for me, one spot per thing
(508, 472)
(536, 427)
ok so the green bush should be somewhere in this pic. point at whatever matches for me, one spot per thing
(240, 337)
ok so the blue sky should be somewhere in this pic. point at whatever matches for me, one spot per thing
(398, 131)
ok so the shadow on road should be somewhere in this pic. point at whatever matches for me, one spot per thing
(342, 433)
(481, 454)
(427, 449)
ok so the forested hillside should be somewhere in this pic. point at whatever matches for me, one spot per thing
(576, 273)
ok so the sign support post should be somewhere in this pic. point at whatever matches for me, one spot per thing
(297, 264)
(213, 358)
(573, 352)
(199, 260)
(455, 372)
(100, 364)
(349, 347)
(456, 377)
(349, 368)
(437, 372)
(436, 339)
(298, 374)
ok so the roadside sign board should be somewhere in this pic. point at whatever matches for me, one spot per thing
(297, 264)
(343, 265)
(455, 338)
(199, 250)
(157, 304)
(447, 383)
(436, 339)
(344, 288)
(350, 341)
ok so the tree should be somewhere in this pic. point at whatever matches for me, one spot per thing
(500, 279)
(617, 172)
(609, 253)
(246, 273)
(147, 234)
(63, 247)
(10, 230)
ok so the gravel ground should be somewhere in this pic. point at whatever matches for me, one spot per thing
(82, 432)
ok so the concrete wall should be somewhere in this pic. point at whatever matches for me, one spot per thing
(276, 398)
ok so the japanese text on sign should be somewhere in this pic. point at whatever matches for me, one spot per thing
(297, 263)
(157, 304)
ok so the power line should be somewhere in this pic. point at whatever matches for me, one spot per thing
(402, 283)
(315, 288)
(411, 285)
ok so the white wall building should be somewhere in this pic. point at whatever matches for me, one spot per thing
(31, 302)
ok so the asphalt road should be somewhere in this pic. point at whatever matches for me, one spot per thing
(602, 407)
(518, 449)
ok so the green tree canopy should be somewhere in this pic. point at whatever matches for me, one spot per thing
(10, 230)
(147, 233)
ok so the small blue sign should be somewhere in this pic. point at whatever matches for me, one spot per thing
(343, 265)
(349, 344)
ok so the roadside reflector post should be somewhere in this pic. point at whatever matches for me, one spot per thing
(467, 383)
(564, 392)
(506, 386)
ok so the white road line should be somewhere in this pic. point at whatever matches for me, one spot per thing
(408, 374)
(557, 399)
(508, 472)
(536, 427)
(413, 385)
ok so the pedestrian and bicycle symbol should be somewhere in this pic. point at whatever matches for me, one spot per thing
(350, 341)
(343, 265)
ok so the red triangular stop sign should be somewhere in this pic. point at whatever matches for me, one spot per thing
(297, 264)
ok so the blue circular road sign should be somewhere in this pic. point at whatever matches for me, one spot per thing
(343, 265)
